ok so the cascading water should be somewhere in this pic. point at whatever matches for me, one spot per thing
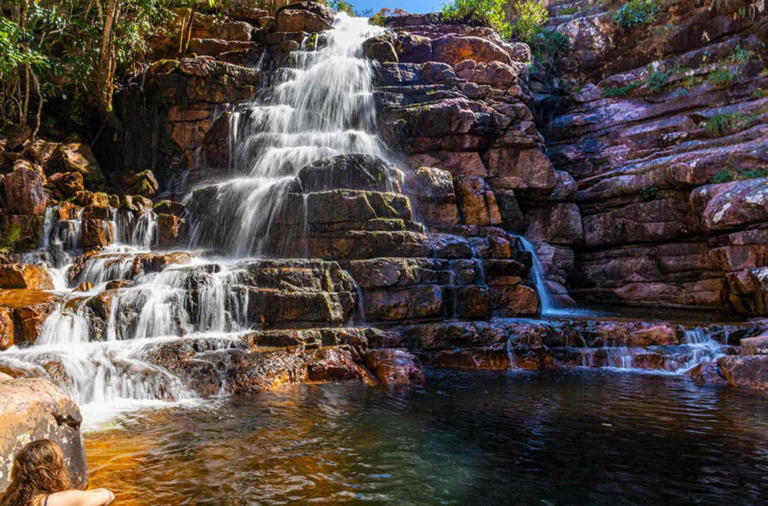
(537, 271)
(321, 107)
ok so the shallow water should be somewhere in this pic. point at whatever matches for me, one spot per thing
(579, 437)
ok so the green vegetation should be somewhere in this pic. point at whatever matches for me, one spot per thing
(529, 15)
(548, 44)
(528, 26)
(657, 80)
(760, 93)
(722, 78)
(733, 174)
(568, 11)
(722, 124)
(636, 12)
(486, 12)
(9, 239)
(621, 91)
(73, 54)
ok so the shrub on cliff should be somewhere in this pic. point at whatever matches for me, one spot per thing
(523, 19)
(637, 12)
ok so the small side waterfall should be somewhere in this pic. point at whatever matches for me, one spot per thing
(548, 306)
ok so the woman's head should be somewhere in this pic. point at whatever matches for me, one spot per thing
(38, 469)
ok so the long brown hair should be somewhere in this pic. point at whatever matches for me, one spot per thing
(38, 470)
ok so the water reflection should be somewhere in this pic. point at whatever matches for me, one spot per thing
(561, 438)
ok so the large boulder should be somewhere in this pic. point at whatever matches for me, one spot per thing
(750, 371)
(557, 223)
(78, 157)
(29, 309)
(453, 49)
(64, 185)
(433, 195)
(24, 189)
(144, 183)
(513, 169)
(352, 172)
(729, 205)
(394, 366)
(309, 17)
(34, 409)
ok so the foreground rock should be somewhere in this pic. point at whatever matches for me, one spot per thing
(33, 409)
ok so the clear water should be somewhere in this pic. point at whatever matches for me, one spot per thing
(463, 438)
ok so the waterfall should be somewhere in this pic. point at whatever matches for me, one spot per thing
(320, 107)
(537, 270)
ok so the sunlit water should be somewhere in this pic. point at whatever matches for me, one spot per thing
(474, 438)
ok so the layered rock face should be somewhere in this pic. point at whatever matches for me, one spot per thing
(455, 98)
(666, 138)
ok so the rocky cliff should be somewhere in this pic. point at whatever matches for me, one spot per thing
(662, 122)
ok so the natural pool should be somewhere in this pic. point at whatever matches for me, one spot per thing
(576, 437)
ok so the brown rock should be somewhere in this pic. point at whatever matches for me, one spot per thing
(34, 409)
(336, 364)
(514, 300)
(706, 373)
(470, 359)
(420, 301)
(6, 328)
(749, 371)
(511, 168)
(207, 26)
(27, 276)
(97, 233)
(143, 183)
(477, 203)
(65, 184)
(433, 195)
(30, 309)
(394, 366)
(754, 345)
(171, 230)
(78, 157)
(24, 192)
(733, 204)
(453, 49)
(304, 17)
(557, 223)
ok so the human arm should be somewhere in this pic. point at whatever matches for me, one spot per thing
(95, 497)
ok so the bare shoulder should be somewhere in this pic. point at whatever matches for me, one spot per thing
(95, 497)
